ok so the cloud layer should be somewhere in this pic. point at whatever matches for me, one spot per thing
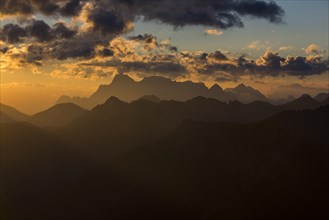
(101, 21)
(90, 33)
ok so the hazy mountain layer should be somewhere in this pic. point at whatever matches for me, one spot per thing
(58, 115)
(128, 90)
(198, 108)
(9, 114)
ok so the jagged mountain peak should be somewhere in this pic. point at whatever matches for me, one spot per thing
(122, 78)
(305, 96)
(216, 88)
(127, 89)
(114, 100)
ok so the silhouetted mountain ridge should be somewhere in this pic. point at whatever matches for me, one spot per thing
(321, 97)
(58, 115)
(9, 114)
(125, 88)
(114, 162)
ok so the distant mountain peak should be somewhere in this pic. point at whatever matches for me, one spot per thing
(156, 79)
(58, 115)
(305, 96)
(121, 78)
(321, 97)
(114, 100)
(127, 89)
(216, 88)
(303, 102)
(11, 114)
(240, 86)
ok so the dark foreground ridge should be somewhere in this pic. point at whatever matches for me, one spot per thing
(169, 160)
(151, 107)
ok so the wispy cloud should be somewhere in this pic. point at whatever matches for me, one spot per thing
(213, 32)
(284, 48)
(258, 45)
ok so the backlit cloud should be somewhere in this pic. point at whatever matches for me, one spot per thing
(313, 49)
(92, 39)
(99, 22)
(213, 32)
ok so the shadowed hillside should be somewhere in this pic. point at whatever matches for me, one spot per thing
(9, 114)
(216, 168)
(58, 115)
(125, 126)
(321, 97)
(138, 161)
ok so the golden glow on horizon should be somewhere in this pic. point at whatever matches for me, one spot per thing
(33, 93)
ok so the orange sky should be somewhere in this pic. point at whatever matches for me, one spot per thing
(44, 55)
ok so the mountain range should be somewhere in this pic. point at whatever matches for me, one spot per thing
(9, 114)
(197, 108)
(138, 161)
(126, 89)
(153, 158)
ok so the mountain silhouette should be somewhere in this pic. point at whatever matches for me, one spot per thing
(199, 170)
(9, 114)
(128, 90)
(279, 163)
(303, 102)
(58, 115)
(125, 126)
(151, 98)
(246, 94)
(321, 97)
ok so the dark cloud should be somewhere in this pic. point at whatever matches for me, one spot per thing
(40, 30)
(222, 14)
(303, 66)
(151, 42)
(63, 50)
(243, 62)
(153, 68)
(72, 8)
(168, 69)
(110, 18)
(61, 31)
(217, 55)
(37, 29)
(270, 64)
(15, 7)
(107, 22)
(261, 9)
(12, 33)
(209, 69)
(203, 56)
(271, 60)
(106, 52)
(147, 38)
(46, 7)
(4, 49)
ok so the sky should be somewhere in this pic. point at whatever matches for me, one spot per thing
(68, 47)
